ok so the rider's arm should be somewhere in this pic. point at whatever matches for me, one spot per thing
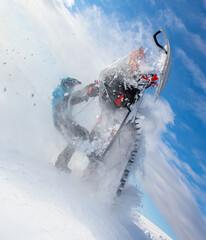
(91, 90)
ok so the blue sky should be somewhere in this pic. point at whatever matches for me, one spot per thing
(185, 24)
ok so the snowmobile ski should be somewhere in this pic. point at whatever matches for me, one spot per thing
(164, 74)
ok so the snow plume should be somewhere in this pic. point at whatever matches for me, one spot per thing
(117, 39)
(38, 202)
(41, 42)
(162, 177)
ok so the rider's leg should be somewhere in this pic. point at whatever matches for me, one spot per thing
(64, 158)
(74, 133)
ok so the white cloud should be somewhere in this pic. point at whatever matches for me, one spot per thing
(201, 180)
(203, 22)
(197, 104)
(199, 77)
(186, 127)
(199, 154)
(153, 2)
(203, 167)
(204, 3)
(170, 19)
(200, 19)
(200, 44)
(199, 107)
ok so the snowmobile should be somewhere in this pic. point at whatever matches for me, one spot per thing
(114, 141)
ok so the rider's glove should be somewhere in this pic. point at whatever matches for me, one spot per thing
(93, 90)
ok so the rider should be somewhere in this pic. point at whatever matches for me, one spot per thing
(120, 85)
(62, 96)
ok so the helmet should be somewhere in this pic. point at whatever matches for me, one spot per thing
(136, 57)
(68, 83)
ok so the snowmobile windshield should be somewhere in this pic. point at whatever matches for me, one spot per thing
(130, 68)
(137, 58)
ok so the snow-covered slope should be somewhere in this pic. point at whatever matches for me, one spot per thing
(149, 228)
(39, 202)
